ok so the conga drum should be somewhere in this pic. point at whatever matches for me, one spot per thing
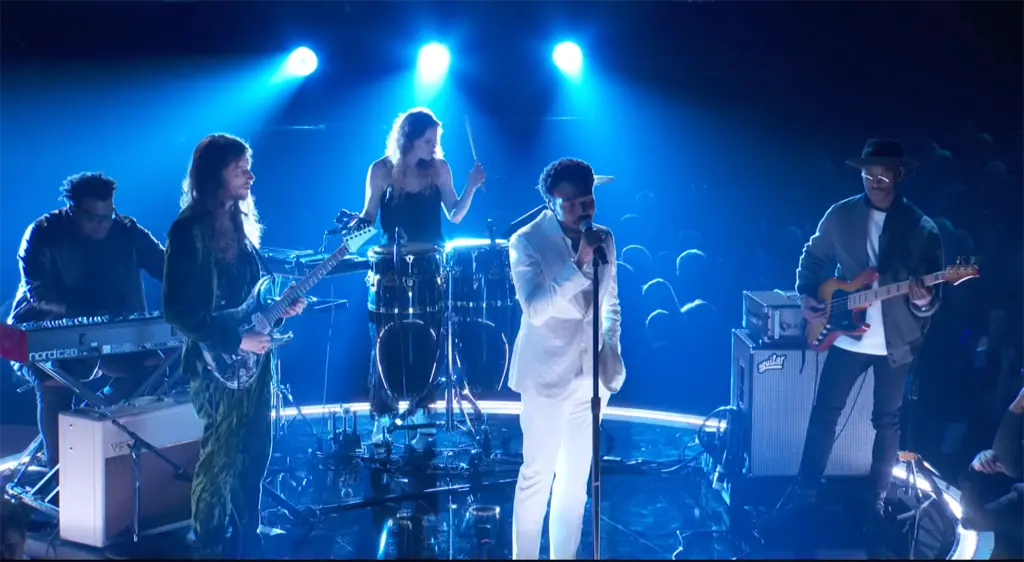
(483, 300)
(406, 306)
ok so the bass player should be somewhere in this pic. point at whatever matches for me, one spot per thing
(211, 265)
(877, 229)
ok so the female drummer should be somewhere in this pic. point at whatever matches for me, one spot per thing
(412, 182)
(409, 186)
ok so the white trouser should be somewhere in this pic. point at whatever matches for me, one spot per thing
(557, 444)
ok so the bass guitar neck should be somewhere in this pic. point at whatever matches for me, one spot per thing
(846, 302)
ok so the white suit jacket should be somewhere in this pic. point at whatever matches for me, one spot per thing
(555, 340)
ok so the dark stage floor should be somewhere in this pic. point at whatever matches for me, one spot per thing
(454, 505)
(644, 502)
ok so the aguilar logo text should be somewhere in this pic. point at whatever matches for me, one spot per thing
(775, 362)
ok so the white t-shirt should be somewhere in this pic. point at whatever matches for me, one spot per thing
(873, 341)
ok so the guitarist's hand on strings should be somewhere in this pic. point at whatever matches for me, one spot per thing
(812, 309)
(919, 294)
(296, 307)
(255, 342)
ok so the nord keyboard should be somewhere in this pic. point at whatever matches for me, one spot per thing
(94, 336)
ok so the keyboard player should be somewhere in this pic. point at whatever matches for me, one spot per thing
(84, 260)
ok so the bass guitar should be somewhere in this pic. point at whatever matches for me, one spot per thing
(846, 302)
(264, 314)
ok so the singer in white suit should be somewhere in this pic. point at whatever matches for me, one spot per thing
(552, 362)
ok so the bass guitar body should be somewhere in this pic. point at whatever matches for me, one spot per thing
(238, 370)
(839, 319)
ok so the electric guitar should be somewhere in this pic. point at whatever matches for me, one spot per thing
(846, 302)
(264, 314)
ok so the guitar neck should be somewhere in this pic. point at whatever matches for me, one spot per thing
(868, 296)
(276, 311)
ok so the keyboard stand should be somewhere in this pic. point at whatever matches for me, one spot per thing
(151, 380)
(31, 496)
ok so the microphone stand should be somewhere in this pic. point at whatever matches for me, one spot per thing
(600, 258)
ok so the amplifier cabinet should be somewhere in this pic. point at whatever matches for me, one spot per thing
(97, 478)
(773, 317)
(775, 388)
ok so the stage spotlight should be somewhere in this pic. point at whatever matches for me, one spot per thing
(433, 61)
(302, 62)
(568, 57)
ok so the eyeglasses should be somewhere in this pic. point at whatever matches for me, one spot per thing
(879, 177)
(91, 217)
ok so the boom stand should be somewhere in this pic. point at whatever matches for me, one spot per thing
(139, 443)
(600, 258)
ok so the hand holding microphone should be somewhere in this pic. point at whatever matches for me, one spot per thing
(591, 243)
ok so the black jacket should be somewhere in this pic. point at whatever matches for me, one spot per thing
(909, 246)
(54, 269)
(194, 292)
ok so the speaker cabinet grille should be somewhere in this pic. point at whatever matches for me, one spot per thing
(775, 389)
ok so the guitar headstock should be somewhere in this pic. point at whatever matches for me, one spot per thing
(357, 234)
(965, 268)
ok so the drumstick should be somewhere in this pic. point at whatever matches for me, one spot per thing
(472, 145)
(469, 133)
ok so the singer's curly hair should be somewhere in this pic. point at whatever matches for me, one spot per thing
(566, 170)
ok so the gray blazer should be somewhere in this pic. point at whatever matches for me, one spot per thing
(909, 246)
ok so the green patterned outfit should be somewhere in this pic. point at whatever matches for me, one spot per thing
(235, 449)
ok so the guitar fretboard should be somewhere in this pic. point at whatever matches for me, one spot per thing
(276, 311)
(866, 297)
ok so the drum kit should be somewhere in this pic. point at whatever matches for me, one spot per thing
(444, 319)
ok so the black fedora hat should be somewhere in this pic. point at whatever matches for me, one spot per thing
(882, 152)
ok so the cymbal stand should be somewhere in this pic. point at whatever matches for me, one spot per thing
(456, 388)
(281, 395)
(456, 391)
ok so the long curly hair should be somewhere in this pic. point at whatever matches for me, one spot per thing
(202, 190)
(408, 128)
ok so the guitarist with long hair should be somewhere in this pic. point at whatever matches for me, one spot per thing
(211, 266)
(878, 229)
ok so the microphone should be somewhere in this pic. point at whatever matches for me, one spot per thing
(595, 238)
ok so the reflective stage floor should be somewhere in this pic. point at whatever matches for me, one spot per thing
(658, 501)
(374, 511)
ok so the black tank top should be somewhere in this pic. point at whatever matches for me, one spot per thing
(418, 214)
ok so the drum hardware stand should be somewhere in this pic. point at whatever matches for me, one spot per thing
(454, 395)
(915, 470)
(281, 395)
